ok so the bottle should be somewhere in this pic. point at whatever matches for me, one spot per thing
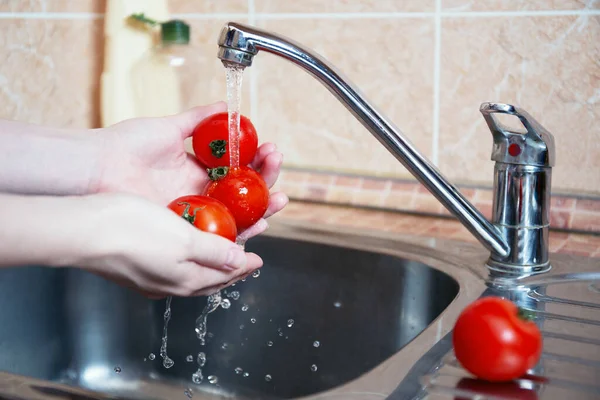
(159, 77)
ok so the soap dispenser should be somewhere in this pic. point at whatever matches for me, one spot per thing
(159, 77)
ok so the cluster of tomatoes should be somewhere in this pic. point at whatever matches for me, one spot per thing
(237, 197)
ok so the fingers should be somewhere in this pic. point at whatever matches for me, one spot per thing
(216, 252)
(268, 162)
(255, 230)
(277, 201)
(187, 120)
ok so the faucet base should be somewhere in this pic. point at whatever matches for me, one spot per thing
(504, 270)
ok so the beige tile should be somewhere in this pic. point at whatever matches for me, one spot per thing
(319, 6)
(208, 6)
(514, 5)
(95, 6)
(552, 72)
(392, 65)
(50, 71)
(208, 84)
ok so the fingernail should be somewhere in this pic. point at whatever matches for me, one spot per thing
(236, 258)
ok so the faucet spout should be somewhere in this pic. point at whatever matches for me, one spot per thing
(238, 44)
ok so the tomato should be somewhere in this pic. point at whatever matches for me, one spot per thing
(206, 214)
(494, 342)
(496, 390)
(243, 191)
(210, 141)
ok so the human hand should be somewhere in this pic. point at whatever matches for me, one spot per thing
(147, 157)
(144, 246)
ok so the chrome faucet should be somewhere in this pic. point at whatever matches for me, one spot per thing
(517, 237)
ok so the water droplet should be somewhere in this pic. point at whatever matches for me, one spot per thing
(197, 377)
(316, 343)
(224, 346)
(242, 326)
(201, 360)
(210, 335)
(151, 356)
(268, 378)
(189, 393)
(234, 295)
(244, 280)
(256, 274)
(245, 375)
(238, 370)
(189, 358)
(225, 303)
(145, 359)
(168, 363)
(270, 319)
(213, 379)
(269, 343)
(281, 334)
(253, 320)
(337, 304)
(118, 370)
(286, 337)
(313, 368)
(245, 307)
(290, 323)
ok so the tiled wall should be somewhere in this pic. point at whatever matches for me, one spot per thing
(427, 64)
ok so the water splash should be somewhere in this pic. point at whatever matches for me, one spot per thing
(235, 295)
(167, 362)
(212, 303)
(225, 303)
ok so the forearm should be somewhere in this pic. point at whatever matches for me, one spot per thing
(40, 160)
(42, 230)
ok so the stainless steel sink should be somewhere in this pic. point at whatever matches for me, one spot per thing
(72, 327)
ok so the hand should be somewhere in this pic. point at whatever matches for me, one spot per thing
(147, 157)
(144, 246)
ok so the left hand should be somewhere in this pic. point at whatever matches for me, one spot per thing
(147, 157)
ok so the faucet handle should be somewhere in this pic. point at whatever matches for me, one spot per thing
(534, 147)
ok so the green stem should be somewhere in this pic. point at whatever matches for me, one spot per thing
(143, 19)
(218, 148)
(217, 173)
(186, 212)
(526, 315)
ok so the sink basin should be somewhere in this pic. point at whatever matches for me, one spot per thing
(361, 307)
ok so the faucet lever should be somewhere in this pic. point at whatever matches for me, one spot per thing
(534, 147)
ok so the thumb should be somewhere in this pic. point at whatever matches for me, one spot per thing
(187, 120)
(214, 251)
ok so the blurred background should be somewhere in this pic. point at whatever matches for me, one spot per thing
(427, 64)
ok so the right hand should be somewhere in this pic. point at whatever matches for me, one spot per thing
(149, 248)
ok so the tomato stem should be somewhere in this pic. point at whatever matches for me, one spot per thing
(525, 315)
(186, 212)
(217, 173)
(140, 17)
(218, 148)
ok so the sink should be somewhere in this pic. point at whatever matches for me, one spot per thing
(361, 307)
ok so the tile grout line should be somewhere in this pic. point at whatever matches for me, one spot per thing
(350, 15)
(253, 74)
(436, 83)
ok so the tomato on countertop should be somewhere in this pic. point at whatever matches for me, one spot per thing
(243, 191)
(210, 141)
(494, 341)
(207, 214)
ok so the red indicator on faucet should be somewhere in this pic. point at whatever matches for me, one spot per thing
(514, 149)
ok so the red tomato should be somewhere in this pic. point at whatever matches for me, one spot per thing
(243, 191)
(494, 342)
(210, 141)
(206, 214)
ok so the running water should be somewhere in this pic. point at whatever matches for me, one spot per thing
(167, 362)
(213, 302)
(234, 75)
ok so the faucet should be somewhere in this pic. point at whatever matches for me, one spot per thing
(517, 236)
